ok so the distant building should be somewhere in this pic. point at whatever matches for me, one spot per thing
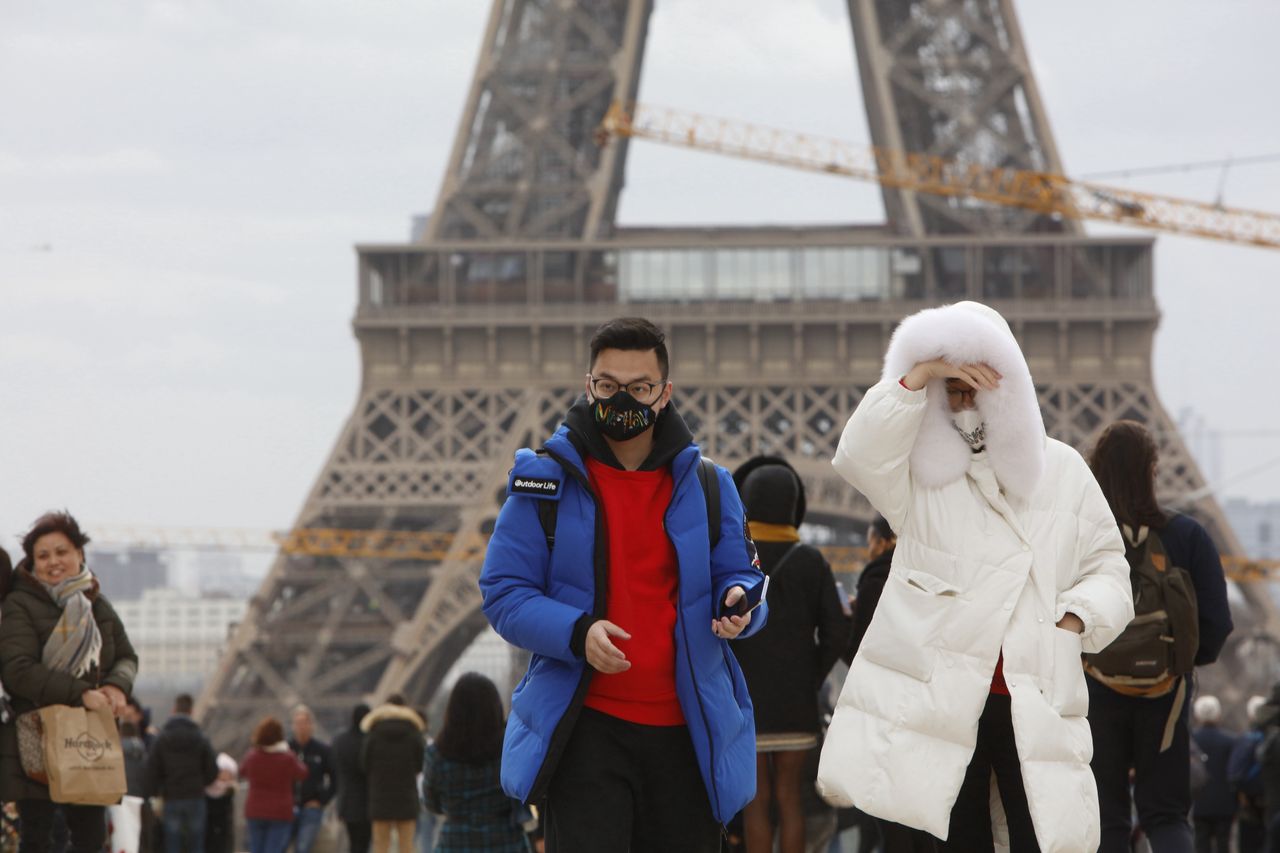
(179, 637)
(126, 573)
(1257, 525)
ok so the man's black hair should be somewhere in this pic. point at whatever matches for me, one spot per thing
(881, 526)
(631, 333)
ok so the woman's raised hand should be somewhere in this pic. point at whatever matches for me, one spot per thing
(981, 377)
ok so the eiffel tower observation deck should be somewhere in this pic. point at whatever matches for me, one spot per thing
(473, 340)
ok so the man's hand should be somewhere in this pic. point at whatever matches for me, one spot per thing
(981, 377)
(313, 804)
(1072, 622)
(602, 654)
(731, 626)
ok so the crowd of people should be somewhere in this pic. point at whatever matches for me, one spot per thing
(1022, 647)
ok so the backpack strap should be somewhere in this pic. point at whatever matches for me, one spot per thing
(711, 490)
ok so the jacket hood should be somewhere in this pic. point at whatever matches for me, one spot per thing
(384, 713)
(964, 333)
(774, 495)
(670, 435)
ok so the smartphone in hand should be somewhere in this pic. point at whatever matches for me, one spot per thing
(754, 598)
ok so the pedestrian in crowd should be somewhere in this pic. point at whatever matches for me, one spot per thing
(1215, 806)
(391, 756)
(621, 561)
(1008, 565)
(315, 792)
(786, 662)
(881, 542)
(135, 774)
(353, 785)
(425, 838)
(220, 798)
(462, 779)
(1245, 772)
(272, 770)
(1142, 723)
(179, 767)
(61, 642)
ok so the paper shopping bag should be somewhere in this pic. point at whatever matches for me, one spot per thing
(82, 756)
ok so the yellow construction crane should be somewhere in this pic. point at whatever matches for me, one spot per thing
(435, 546)
(1042, 192)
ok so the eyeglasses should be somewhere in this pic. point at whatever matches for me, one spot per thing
(641, 390)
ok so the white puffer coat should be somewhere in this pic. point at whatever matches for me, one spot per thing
(993, 549)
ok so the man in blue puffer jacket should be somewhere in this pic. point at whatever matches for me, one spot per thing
(632, 726)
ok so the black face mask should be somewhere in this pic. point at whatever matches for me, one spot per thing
(622, 417)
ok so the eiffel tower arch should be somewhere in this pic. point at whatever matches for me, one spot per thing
(473, 340)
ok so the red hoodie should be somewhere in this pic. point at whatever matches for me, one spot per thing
(270, 775)
(644, 583)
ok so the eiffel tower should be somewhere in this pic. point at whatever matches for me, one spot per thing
(473, 338)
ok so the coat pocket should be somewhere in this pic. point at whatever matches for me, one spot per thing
(903, 630)
(1068, 694)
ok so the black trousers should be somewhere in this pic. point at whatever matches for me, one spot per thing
(1213, 834)
(970, 830)
(219, 825)
(86, 826)
(626, 787)
(359, 835)
(897, 838)
(1127, 731)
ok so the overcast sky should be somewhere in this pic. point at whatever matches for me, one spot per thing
(181, 185)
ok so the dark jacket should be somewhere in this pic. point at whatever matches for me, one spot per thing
(478, 815)
(544, 602)
(135, 765)
(321, 783)
(353, 785)
(28, 618)
(271, 776)
(181, 764)
(783, 664)
(870, 584)
(392, 758)
(1217, 799)
(1190, 547)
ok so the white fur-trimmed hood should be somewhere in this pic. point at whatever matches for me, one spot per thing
(964, 333)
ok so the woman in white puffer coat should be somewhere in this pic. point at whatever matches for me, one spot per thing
(964, 711)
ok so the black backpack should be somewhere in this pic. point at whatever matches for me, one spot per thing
(1162, 640)
(549, 510)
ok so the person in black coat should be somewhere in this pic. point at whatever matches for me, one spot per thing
(1215, 805)
(881, 540)
(391, 757)
(353, 785)
(179, 767)
(785, 663)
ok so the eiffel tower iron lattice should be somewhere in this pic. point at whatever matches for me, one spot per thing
(473, 341)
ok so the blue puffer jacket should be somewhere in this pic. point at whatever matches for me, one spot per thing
(534, 603)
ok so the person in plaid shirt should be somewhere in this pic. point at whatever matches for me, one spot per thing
(462, 779)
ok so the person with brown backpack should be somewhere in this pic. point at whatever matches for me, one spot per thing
(1140, 686)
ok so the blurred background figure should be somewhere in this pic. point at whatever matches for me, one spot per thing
(392, 755)
(786, 662)
(271, 769)
(463, 776)
(1215, 805)
(353, 784)
(1245, 773)
(220, 798)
